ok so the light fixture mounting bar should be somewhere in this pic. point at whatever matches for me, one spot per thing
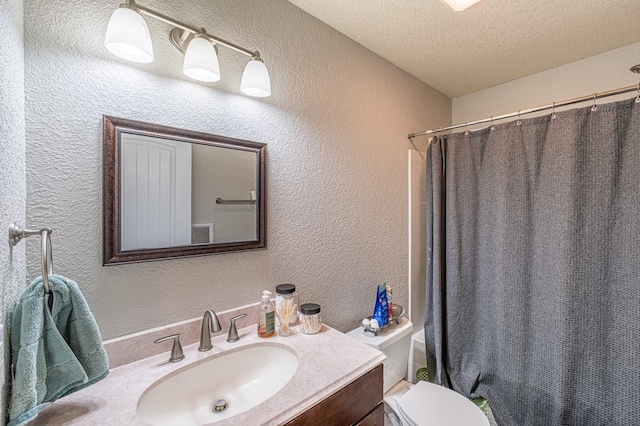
(173, 22)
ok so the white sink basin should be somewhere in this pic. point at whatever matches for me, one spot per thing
(244, 379)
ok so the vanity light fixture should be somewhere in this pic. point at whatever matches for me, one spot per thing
(255, 79)
(201, 60)
(128, 37)
(459, 5)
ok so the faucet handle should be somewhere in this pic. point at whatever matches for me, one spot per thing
(233, 330)
(176, 349)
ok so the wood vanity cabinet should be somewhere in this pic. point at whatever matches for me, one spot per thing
(359, 403)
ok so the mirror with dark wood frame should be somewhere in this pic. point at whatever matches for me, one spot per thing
(170, 192)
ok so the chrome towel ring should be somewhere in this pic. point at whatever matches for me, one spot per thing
(17, 233)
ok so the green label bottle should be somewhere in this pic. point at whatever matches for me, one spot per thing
(266, 316)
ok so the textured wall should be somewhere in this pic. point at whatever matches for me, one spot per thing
(595, 74)
(13, 191)
(335, 126)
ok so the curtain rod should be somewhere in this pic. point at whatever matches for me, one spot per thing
(532, 110)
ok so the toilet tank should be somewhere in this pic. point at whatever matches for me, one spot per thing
(394, 341)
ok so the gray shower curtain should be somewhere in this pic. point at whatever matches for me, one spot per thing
(533, 280)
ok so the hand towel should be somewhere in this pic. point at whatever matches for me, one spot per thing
(56, 347)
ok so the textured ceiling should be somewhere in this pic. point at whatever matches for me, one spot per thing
(490, 43)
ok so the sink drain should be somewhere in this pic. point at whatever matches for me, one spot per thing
(220, 405)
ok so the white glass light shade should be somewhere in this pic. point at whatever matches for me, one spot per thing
(128, 36)
(201, 61)
(459, 5)
(255, 79)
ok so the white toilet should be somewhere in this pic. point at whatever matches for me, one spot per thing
(422, 404)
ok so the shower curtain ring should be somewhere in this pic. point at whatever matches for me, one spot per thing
(553, 110)
(492, 126)
(594, 107)
(466, 132)
(518, 122)
(638, 97)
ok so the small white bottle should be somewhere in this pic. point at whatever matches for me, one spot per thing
(266, 316)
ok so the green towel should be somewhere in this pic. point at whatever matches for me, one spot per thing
(56, 350)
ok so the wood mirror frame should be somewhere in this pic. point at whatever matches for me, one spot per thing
(113, 128)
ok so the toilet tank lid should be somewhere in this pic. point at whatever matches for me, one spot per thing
(387, 336)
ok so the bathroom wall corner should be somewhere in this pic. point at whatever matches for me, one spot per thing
(12, 171)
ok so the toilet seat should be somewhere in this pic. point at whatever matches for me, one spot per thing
(427, 404)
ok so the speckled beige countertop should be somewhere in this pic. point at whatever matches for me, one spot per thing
(328, 361)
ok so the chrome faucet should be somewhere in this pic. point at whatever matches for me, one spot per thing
(210, 324)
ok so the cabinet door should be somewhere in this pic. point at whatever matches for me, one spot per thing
(348, 405)
(374, 418)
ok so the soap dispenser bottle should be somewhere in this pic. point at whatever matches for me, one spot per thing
(266, 316)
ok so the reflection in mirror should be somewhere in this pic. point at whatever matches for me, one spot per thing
(212, 167)
(171, 192)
